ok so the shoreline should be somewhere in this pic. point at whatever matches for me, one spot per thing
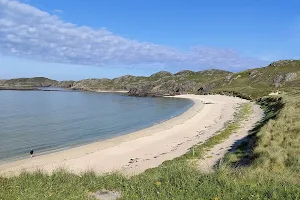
(120, 138)
(64, 89)
(137, 151)
(111, 91)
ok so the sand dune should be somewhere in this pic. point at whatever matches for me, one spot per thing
(135, 152)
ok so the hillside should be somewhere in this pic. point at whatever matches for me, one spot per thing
(161, 83)
(26, 83)
(281, 75)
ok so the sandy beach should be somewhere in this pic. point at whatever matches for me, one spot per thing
(135, 152)
(216, 154)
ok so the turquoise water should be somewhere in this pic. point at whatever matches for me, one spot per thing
(47, 121)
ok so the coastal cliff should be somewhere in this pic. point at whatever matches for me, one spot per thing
(279, 75)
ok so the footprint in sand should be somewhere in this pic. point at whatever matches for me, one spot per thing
(133, 160)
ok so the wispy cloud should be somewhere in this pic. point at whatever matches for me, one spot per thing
(26, 31)
(58, 11)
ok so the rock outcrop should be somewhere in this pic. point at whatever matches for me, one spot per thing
(278, 80)
(142, 90)
(205, 89)
(290, 76)
(280, 63)
(64, 84)
(169, 88)
(185, 73)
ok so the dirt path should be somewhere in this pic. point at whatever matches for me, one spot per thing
(215, 155)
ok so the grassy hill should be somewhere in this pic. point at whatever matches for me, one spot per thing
(281, 75)
(27, 83)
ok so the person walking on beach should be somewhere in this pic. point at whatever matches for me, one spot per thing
(31, 153)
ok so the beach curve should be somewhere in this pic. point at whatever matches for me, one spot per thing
(135, 152)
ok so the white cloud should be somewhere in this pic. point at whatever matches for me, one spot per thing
(26, 31)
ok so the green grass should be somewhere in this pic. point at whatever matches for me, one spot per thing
(272, 173)
(255, 83)
(244, 153)
(279, 141)
(177, 180)
(199, 150)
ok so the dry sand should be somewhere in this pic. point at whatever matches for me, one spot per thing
(215, 154)
(135, 152)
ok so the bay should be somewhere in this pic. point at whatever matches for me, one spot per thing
(49, 121)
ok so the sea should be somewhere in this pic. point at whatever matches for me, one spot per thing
(48, 121)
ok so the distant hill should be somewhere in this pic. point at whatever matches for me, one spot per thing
(36, 81)
(279, 75)
(26, 83)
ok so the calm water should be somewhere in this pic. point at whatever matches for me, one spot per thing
(47, 121)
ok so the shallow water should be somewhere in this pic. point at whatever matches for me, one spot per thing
(47, 121)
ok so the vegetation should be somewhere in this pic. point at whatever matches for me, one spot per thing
(273, 172)
(199, 150)
(280, 75)
(28, 82)
(254, 83)
(279, 141)
(266, 166)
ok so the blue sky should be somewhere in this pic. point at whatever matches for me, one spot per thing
(74, 39)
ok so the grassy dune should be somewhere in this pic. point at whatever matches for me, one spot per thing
(271, 171)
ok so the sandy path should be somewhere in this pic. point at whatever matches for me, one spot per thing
(138, 151)
(214, 155)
